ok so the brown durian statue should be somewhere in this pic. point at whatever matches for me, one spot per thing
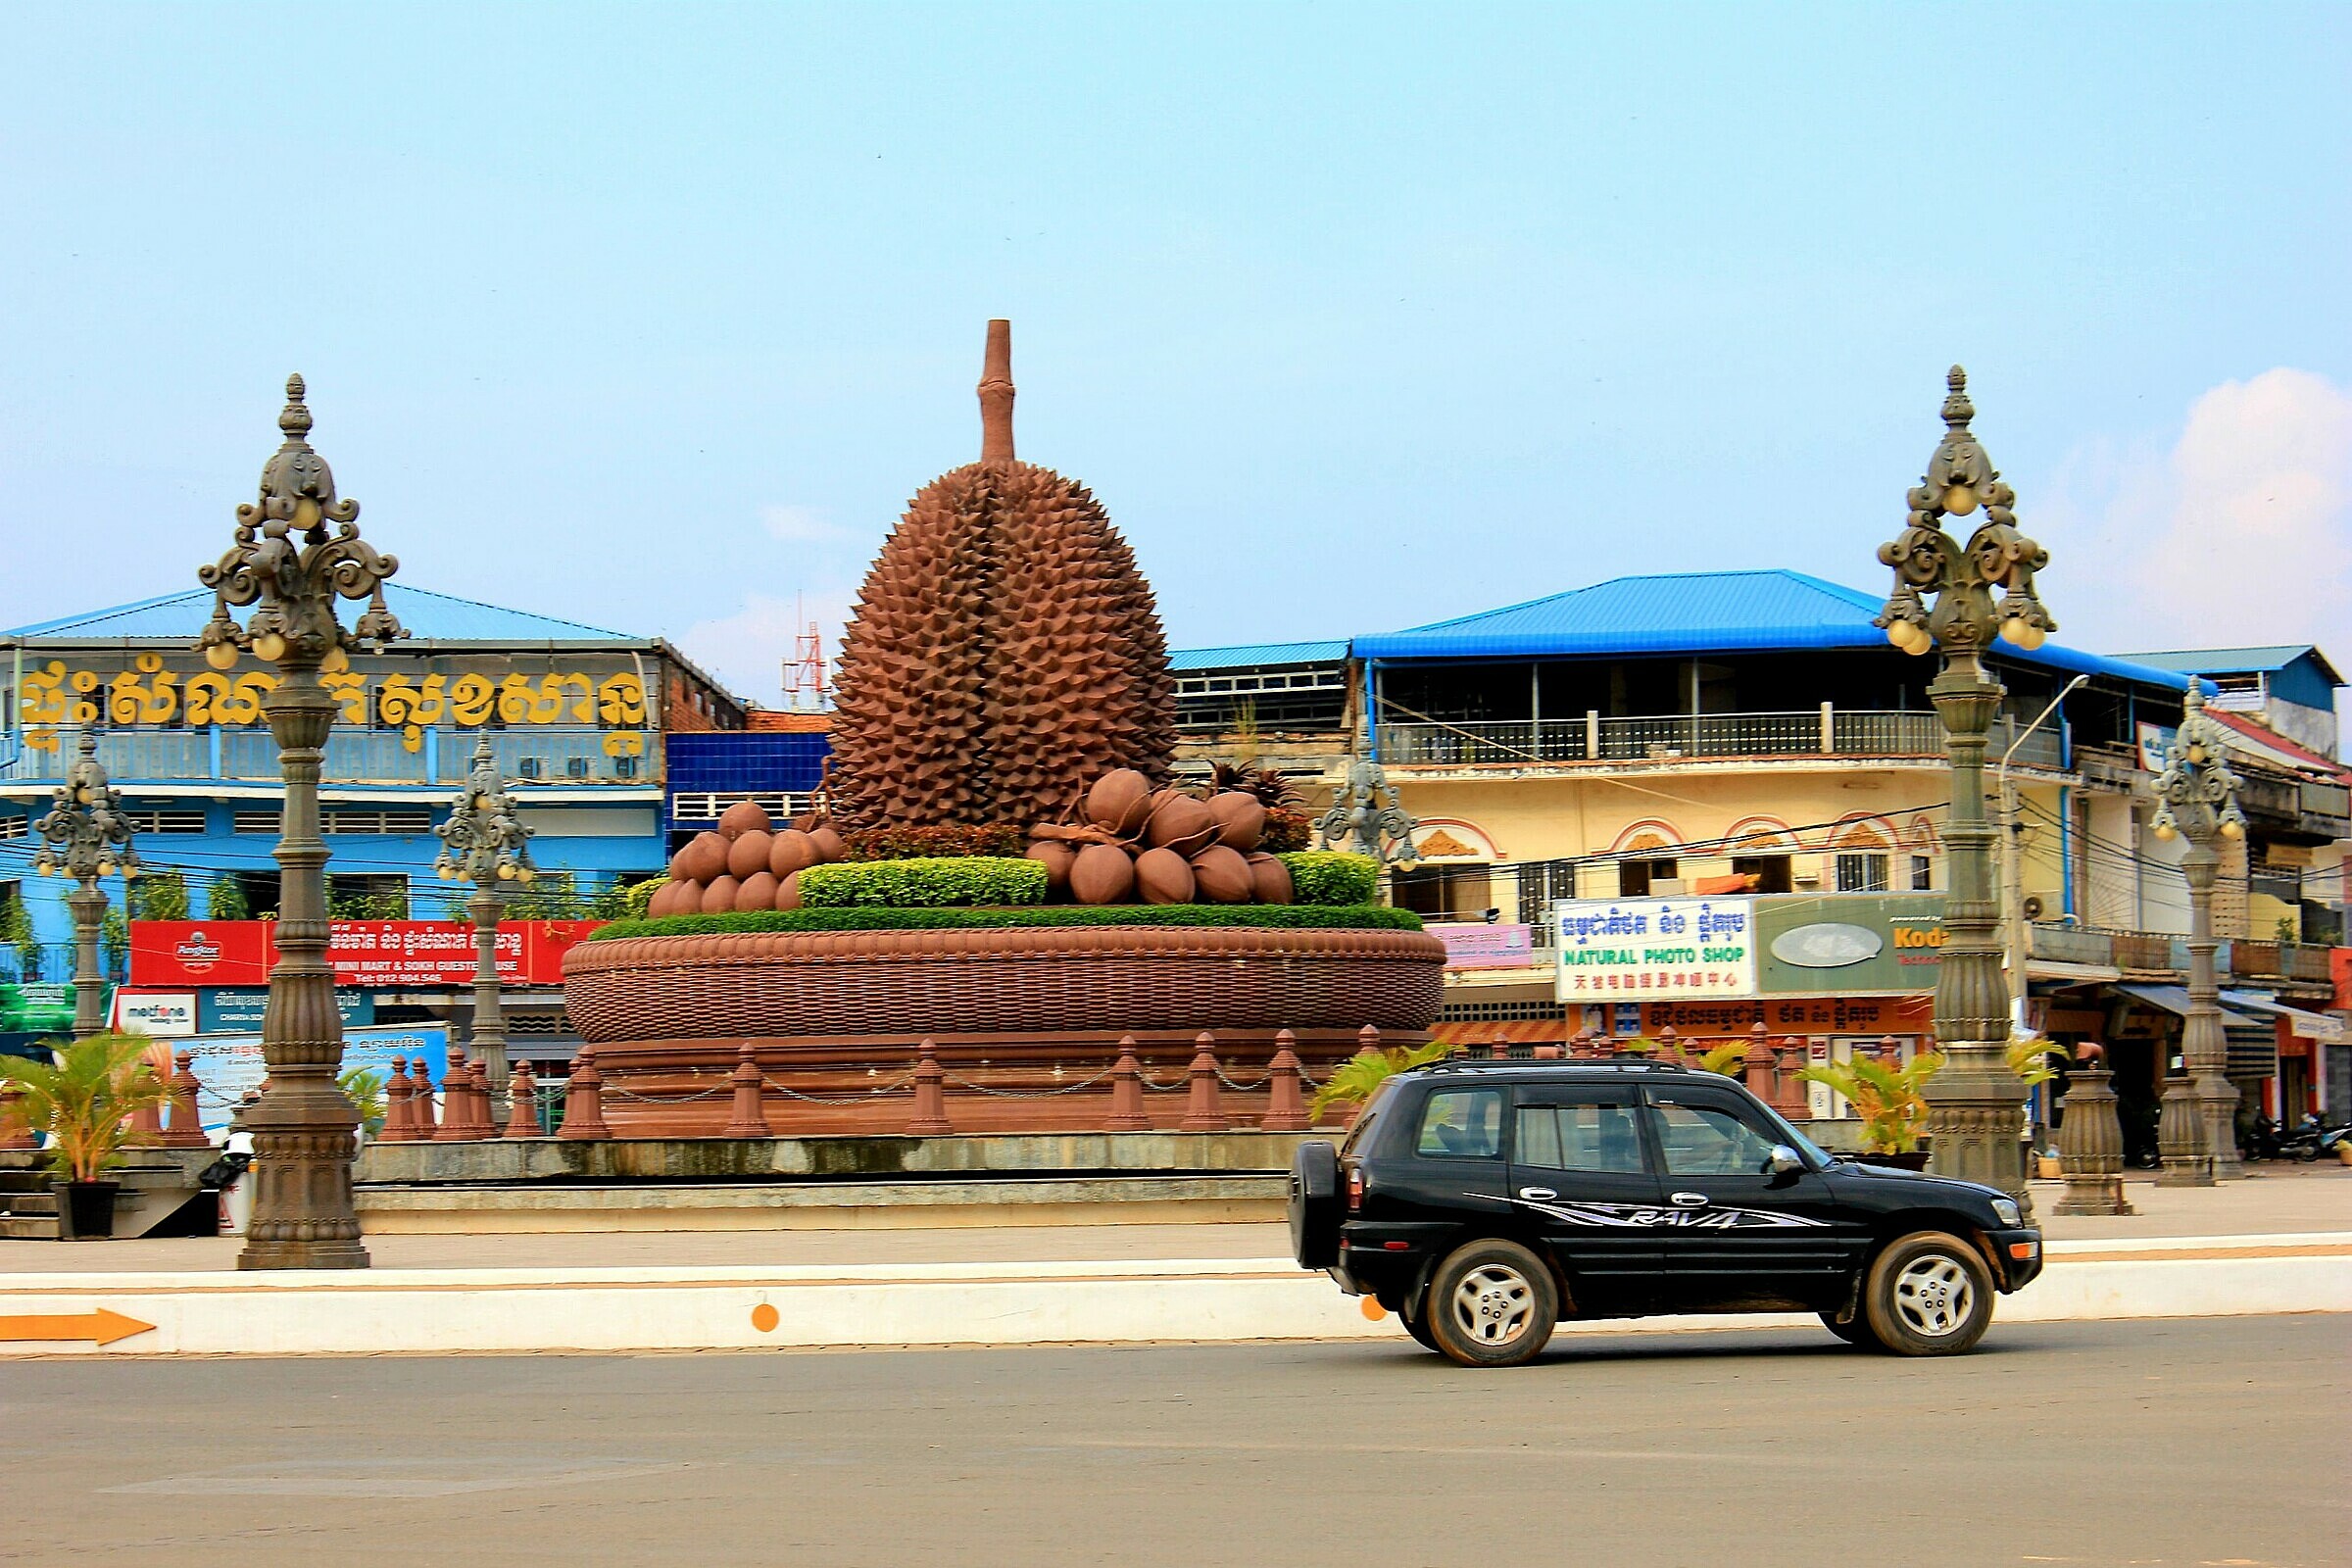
(1004, 650)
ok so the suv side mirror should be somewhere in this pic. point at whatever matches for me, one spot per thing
(1782, 1161)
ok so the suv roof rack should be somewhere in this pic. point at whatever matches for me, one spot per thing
(1485, 1063)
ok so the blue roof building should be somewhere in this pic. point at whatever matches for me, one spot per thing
(581, 719)
(2292, 687)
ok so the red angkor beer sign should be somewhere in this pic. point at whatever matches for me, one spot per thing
(378, 953)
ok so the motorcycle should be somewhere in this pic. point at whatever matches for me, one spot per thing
(2261, 1140)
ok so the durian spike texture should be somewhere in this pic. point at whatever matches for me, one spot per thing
(1004, 650)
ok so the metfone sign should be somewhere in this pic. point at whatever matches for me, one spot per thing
(1849, 944)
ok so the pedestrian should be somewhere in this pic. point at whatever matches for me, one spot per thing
(236, 1157)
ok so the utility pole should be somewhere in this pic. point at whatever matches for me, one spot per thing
(2013, 871)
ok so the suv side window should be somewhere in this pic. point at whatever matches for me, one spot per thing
(1577, 1129)
(1702, 1136)
(1460, 1124)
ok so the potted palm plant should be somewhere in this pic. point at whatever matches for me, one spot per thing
(1887, 1097)
(1353, 1081)
(83, 1101)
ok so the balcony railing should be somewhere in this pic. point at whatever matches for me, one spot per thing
(547, 753)
(1824, 731)
(2145, 951)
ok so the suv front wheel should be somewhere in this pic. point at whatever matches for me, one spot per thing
(1492, 1303)
(1929, 1294)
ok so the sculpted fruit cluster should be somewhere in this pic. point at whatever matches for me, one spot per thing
(747, 864)
(1138, 845)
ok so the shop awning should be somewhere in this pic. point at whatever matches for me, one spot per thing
(2059, 972)
(2174, 999)
(2307, 1025)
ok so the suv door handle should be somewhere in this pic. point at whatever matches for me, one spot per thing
(1686, 1199)
(1537, 1194)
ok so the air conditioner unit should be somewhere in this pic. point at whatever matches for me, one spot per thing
(530, 767)
(575, 767)
(2033, 905)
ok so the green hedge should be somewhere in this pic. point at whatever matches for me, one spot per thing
(928, 883)
(1327, 876)
(1266, 917)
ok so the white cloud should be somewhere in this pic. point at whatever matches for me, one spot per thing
(2241, 534)
(747, 651)
(800, 525)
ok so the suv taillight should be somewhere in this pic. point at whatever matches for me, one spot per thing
(1356, 1189)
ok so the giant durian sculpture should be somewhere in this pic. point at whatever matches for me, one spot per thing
(1004, 652)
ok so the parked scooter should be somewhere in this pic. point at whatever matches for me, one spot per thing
(2306, 1139)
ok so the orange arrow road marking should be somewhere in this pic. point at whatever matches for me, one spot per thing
(102, 1325)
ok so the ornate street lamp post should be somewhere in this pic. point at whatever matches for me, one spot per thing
(2197, 797)
(1976, 1106)
(484, 841)
(86, 836)
(296, 550)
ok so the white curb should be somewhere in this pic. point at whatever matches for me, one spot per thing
(438, 1311)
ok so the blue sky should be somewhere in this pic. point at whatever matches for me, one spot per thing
(1354, 318)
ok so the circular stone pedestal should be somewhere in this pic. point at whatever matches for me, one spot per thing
(1023, 1017)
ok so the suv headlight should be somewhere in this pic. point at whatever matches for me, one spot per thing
(2005, 1211)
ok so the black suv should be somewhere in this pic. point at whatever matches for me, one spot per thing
(1482, 1202)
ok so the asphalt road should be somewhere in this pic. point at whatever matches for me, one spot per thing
(2193, 1442)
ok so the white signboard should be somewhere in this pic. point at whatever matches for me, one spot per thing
(1656, 949)
(229, 1067)
(164, 1015)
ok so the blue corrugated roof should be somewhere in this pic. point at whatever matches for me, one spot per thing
(2231, 660)
(429, 616)
(1697, 613)
(1249, 654)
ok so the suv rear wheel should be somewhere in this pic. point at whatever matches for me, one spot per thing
(1492, 1303)
(1929, 1294)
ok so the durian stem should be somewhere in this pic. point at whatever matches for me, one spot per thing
(996, 397)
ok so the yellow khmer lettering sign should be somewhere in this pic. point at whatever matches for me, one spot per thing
(148, 695)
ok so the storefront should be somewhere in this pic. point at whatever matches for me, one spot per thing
(1839, 971)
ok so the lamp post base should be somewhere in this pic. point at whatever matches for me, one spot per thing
(2217, 1099)
(1975, 1121)
(303, 1255)
(2181, 1138)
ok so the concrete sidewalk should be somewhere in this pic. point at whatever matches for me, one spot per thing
(2283, 1201)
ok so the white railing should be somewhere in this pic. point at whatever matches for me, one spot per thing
(1824, 731)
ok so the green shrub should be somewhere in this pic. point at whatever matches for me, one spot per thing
(948, 840)
(1263, 916)
(159, 896)
(226, 899)
(927, 883)
(1328, 876)
(636, 897)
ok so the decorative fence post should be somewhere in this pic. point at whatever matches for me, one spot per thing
(2091, 1141)
(584, 1101)
(523, 1100)
(422, 1128)
(1127, 1092)
(1286, 1103)
(747, 1117)
(14, 1130)
(188, 1122)
(1757, 1068)
(1202, 1110)
(930, 1118)
(399, 1096)
(147, 1122)
(457, 1101)
(477, 1093)
(1788, 1089)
